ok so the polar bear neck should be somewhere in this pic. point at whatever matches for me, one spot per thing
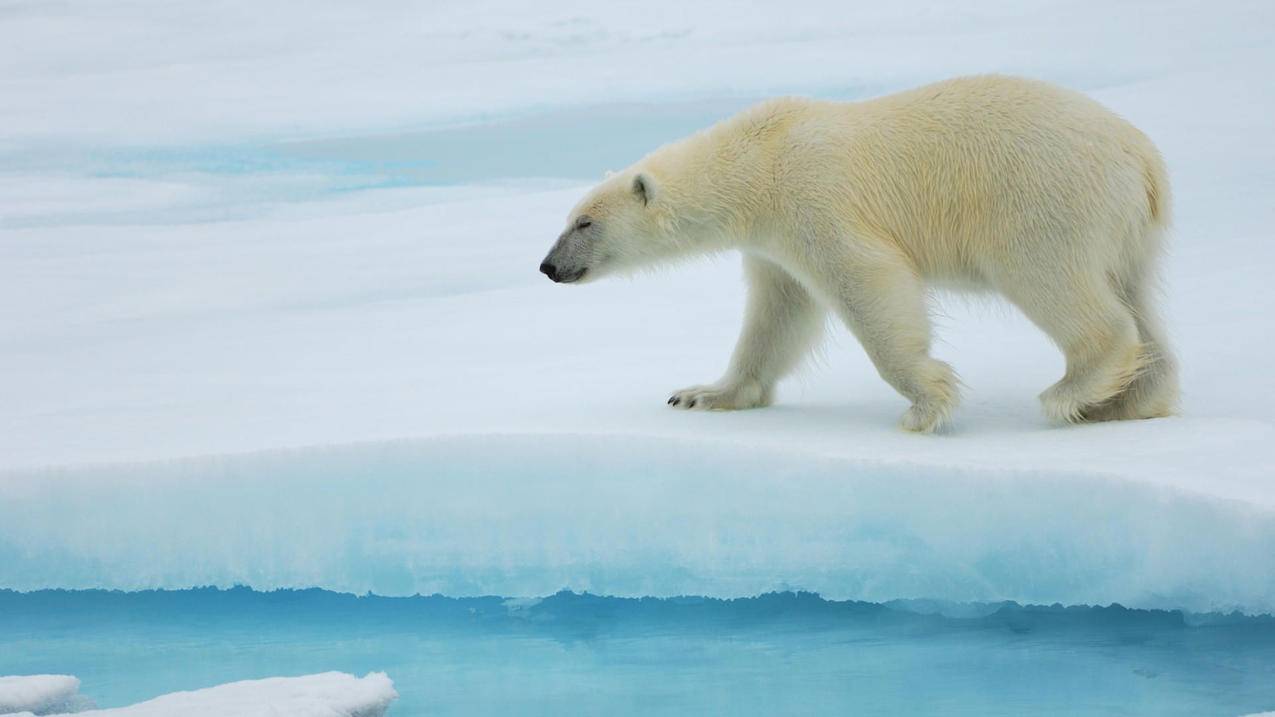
(717, 184)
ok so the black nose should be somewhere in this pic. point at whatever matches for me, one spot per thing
(549, 270)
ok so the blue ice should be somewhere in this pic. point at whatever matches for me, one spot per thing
(629, 516)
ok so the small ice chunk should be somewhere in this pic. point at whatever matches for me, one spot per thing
(329, 694)
(40, 695)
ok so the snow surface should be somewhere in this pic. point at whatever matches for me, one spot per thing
(226, 230)
(40, 694)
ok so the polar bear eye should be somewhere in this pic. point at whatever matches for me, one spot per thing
(584, 223)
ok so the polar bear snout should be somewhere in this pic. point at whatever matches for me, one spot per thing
(560, 277)
(569, 258)
(561, 267)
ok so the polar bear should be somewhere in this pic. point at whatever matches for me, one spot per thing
(994, 183)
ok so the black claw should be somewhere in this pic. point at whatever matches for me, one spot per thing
(691, 404)
(675, 400)
(670, 400)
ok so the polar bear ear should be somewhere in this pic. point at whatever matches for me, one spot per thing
(643, 188)
(608, 174)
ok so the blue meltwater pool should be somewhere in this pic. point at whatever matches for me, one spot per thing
(573, 653)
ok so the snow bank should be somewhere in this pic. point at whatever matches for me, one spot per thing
(40, 694)
(529, 515)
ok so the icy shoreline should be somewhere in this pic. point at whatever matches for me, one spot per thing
(531, 515)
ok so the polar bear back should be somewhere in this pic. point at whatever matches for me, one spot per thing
(969, 176)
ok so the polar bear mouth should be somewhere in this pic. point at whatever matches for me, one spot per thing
(572, 276)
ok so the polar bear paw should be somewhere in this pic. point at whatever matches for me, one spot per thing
(939, 390)
(722, 396)
(924, 418)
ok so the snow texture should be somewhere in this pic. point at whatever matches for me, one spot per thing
(227, 228)
(40, 694)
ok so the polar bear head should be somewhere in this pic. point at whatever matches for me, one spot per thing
(624, 223)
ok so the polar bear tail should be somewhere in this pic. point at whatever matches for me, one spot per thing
(1156, 177)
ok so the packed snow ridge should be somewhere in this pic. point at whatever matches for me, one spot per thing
(330, 694)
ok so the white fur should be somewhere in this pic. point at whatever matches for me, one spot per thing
(1010, 185)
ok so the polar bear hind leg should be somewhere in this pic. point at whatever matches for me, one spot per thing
(1098, 335)
(1153, 392)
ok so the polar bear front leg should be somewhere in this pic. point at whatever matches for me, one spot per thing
(882, 300)
(781, 325)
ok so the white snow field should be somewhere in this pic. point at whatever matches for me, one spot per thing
(311, 238)
(40, 694)
(330, 694)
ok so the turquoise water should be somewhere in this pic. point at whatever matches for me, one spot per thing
(576, 143)
(241, 180)
(232, 180)
(571, 653)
